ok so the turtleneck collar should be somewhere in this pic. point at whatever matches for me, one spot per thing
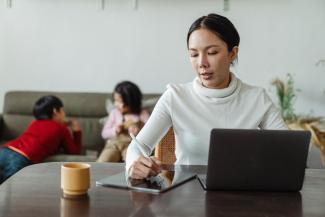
(217, 94)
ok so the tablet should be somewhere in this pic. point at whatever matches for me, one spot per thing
(164, 181)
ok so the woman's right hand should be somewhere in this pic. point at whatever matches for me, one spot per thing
(144, 167)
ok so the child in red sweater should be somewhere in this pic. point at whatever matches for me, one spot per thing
(43, 138)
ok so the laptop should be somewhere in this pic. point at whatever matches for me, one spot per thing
(167, 179)
(256, 160)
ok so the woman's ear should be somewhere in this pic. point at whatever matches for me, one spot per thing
(233, 53)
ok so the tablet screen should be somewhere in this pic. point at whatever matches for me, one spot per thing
(162, 182)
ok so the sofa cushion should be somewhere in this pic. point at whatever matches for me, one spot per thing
(91, 133)
(75, 104)
(14, 125)
(149, 103)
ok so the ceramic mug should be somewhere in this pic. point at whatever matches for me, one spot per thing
(75, 178)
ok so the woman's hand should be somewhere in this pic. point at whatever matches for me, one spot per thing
(144, 167)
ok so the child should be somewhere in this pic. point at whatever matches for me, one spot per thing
(42, 138)
(127, 117)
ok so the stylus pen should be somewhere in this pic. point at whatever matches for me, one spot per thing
(140, 144)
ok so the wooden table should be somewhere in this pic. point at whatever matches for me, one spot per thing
(35, 192)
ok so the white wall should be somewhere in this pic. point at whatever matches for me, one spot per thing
(73, 45)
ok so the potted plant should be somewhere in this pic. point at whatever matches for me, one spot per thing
(286, 94)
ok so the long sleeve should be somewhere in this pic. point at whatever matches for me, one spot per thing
(155, 128)
(71, 145)
(109, 129)
(272, 118)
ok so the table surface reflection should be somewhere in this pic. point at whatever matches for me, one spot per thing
(35, 191)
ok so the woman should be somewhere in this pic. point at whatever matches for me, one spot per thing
(215, 99)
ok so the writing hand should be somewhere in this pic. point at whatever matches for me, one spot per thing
(144, 167)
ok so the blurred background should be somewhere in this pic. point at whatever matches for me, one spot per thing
(90, 45)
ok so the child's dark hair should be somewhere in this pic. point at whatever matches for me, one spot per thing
(43, 108)
(131, 95)
(220, 26)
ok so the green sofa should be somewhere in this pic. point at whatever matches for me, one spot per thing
(87, 108)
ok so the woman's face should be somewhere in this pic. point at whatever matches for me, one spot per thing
(119, 104)
(210, 58)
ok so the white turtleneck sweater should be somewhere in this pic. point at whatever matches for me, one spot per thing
(193, 110)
